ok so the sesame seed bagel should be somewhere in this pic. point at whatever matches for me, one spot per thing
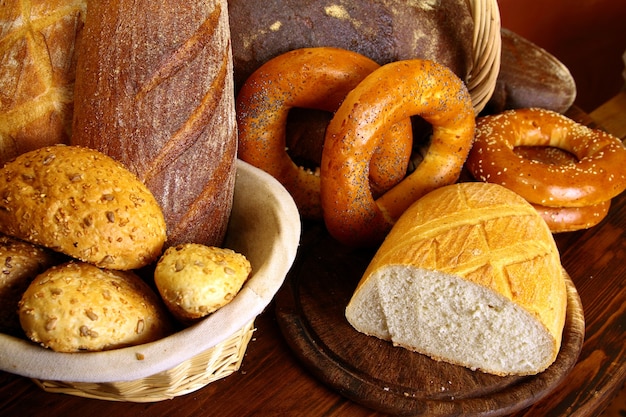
(597, 175)
(569, 219)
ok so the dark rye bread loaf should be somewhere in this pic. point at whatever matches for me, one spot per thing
(384, 31)
(530, 77)
(154, 90)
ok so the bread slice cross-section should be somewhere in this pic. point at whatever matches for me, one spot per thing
(471, 275)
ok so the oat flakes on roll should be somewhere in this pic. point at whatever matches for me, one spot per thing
(20, 262)
(195, 280)
(77, 307)
(471, 275)
(82, 203)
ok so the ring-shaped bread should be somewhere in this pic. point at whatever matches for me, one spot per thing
(312, 78)
(570, 219)
(563, 219)
(392, 93)
(597, 175)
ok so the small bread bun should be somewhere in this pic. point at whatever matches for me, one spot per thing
(195, 280)
(83, 203)
(77, 307)
(20, 262)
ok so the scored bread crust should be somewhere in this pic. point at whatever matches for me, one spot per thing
(473, 255)
(154, 91)
(37, 68)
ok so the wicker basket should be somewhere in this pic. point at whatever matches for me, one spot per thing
(212, 364)
(481, 80)
(264, 226)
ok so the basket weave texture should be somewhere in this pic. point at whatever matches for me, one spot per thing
(215, 363)
(487, 46)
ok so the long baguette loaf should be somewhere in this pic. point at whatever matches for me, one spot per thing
(37, 68)
(154, 90)
(471, 275)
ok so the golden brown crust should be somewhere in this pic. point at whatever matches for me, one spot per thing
(563, 219)
(596, 176)
(77, 307)
(82, 203)
(314, 78)
(389, 94)
(570, 219)
(37, 68)
(154, 90)
(488, 235)
(20, 262)
(196, 280)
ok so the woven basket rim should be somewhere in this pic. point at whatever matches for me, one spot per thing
(487, 49)
(213, 364)
(270, 260)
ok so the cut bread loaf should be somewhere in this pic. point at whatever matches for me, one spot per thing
(471, 275)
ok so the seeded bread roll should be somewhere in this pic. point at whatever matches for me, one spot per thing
(195, 280)
(471, 275)
(76, 307)
(37, 69)
(82, 203)
(20, 262)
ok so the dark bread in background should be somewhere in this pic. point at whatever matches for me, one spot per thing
(383, 31)
(530, 77)
(389, 31)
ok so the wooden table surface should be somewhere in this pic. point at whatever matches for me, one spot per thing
(272, 382)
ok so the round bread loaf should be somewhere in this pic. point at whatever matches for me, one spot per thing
(37, 66)
(195, 280)
(384, 31)
(77, 307)
(80, 202)
(470, 274)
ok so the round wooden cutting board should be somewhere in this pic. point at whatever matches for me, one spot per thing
(310, 312)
